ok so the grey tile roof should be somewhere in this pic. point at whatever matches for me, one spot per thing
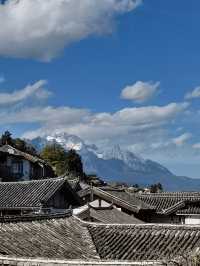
(28, 194)
(30, 217)
(113, 216)
(69, 238)
(61, 238)
(144, 242)
(190, 208)
(15, 152)
(166, 203)
(123, 199)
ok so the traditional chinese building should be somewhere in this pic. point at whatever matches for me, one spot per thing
(37, 197)
(17, 165)
(173, 208)
(103, 212)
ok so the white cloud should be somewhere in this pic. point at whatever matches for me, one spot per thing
(182, 139)
(196, 146)
(94, 126)
(40, 29)
(36, 90)
(140, 91)
(142, 129)
(193, 94)
(51, 115)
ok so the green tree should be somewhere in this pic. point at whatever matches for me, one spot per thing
(155, 188)
(74, 164)
(20, 144)
(160, 187)
(63, 162)
(55, 155)
(6, 138)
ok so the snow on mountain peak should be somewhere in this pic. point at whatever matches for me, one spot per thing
(116, 164)
(134, 161)
(67, 141)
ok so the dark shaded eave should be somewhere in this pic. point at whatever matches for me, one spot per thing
(35, 217)
(173, 209)
(190, 208)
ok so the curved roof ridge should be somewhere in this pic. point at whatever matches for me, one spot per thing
(36, 217)
(138, 205)
(35, 180)
(143, 225)
(169, 196)
(26, 155)
(170, 193)
(173, 208)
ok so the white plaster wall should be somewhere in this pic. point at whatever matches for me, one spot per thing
(95, 203)
(104, 203)
(193, 219)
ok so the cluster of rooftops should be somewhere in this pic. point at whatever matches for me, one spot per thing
(66, 220)
(53, 194)
(66, 237)
(58, 219)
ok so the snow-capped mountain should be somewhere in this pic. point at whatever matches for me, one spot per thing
(134, 161)
(117, 164)
(66, 141)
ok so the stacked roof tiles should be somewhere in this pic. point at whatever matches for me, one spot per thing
(107, 214)
(123, 199)
(161, 203)
(61, 238)
(36, 194)
(144, 242)
(28, 194)
(69, 238)
(180, 202)
(113, 216)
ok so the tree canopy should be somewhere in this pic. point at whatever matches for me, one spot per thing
(63, 161)
(6, 138)
(73, 163)
(155, 188)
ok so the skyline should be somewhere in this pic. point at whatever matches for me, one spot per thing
(115, 71)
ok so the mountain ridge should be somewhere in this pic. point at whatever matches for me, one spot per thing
(117, 164)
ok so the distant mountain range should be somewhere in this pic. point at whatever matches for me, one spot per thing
(116, 164)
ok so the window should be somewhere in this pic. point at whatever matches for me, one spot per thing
(17, 167)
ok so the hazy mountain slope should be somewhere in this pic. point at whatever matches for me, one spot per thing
(116, 164)
(117, 170)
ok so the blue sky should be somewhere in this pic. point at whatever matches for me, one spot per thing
(110, 71)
